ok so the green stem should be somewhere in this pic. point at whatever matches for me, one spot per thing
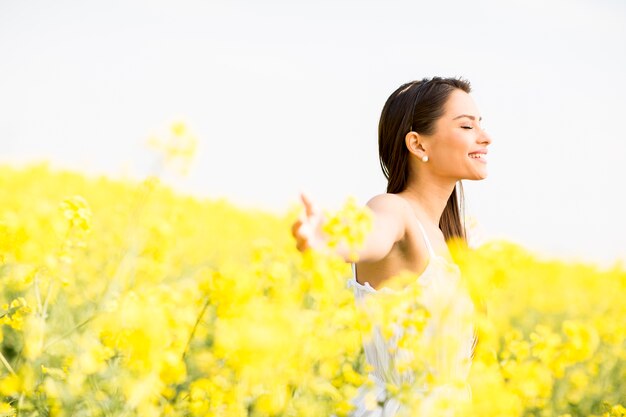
(37, 293)
(6, 363)
(69, 332)
(195, 326)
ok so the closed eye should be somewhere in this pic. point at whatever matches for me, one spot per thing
(467, 127)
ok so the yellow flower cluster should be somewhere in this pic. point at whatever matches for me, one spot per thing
(550, 340)
(351, 225)
(135, 301)
(177, 149)
(13, 313)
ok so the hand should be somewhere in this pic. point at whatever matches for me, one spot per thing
(308, 228)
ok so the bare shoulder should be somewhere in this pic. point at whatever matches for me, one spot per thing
(391, 213)
(388, 203)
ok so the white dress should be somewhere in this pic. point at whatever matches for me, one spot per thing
(448, 303)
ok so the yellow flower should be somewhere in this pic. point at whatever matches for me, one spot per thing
(190, 307)
(351, 224)
(77, 212)
(179, 128)
(179, 148)
(15, 313)
(6, 410)
(582, 340)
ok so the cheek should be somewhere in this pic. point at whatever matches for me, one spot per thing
(460, 142)
(453, 148)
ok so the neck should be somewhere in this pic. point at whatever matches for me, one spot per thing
(429, 196)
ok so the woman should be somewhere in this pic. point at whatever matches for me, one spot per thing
(429, 139)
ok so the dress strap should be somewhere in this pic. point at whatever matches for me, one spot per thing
(353, 270)
(428, 245)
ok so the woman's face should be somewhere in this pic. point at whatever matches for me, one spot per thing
(457, 136)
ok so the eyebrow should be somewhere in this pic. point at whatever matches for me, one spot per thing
(467, 115)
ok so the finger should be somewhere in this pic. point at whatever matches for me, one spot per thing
(295, 227)
(301, 245)
(308, 204)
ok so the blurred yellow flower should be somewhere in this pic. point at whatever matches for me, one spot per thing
(350, 224)
(178, 148)
(6, 410)
(77, 212)
(189, 307)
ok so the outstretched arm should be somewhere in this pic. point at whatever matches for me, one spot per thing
(388, 228)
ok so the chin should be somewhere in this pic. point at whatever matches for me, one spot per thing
(477, 177)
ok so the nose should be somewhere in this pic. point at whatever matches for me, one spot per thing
(484, 137)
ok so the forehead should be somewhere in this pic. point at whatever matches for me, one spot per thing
(460, 102)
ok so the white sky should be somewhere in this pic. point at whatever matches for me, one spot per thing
(286, 96)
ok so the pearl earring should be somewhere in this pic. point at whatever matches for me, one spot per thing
(425, 158)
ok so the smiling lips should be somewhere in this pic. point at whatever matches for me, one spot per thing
(479, 155)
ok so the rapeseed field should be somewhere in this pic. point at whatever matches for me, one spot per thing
(122, 298)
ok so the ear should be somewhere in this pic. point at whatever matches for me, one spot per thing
(413, 142)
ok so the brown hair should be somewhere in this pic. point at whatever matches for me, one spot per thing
(415, 106)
